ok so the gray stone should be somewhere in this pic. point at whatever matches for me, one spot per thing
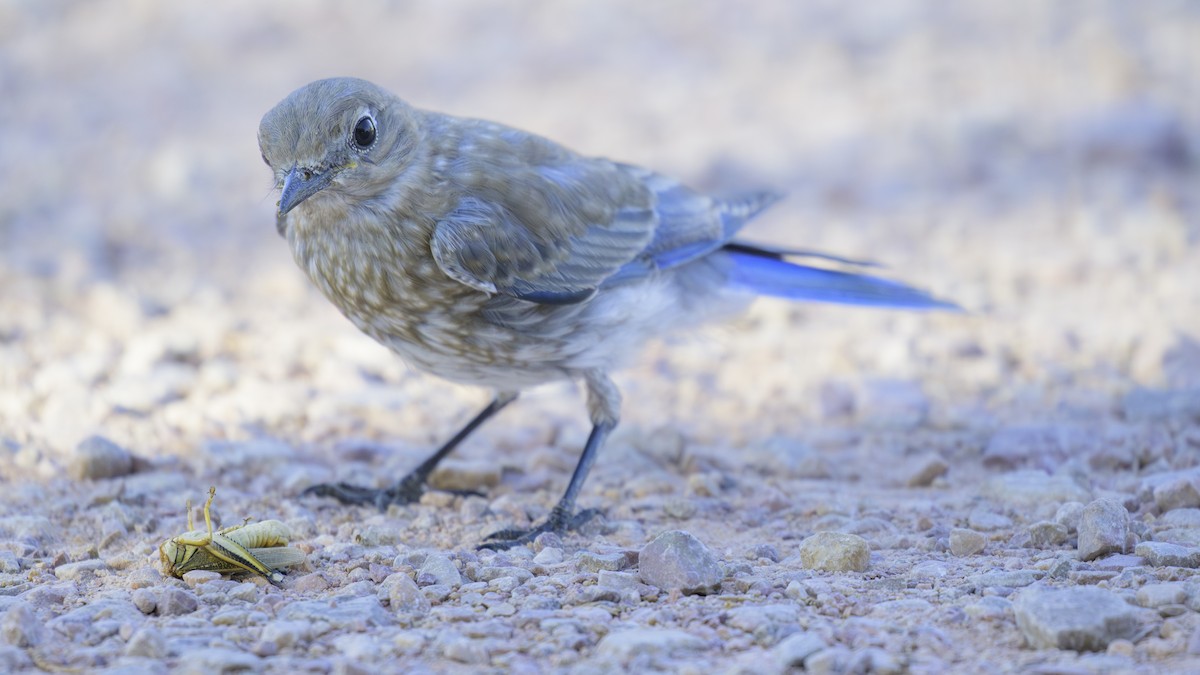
(97, 457)
(677, 560)
(20, 626)
(924, 469)
(616, 580)
(987, 520)
(1162, 554)
(195, 578)
(145, 599)
(929, 569)
(792, 651)
(964, 542)
(355, 614)
(1157, 595)
(403, 594)
(1185, 518)
(440, 569)
(9, 563)
(835, 552)
(1068, 515)
(78, 570)
(284, 634)
(465, 650)
(1006, 579)
(1033, 488)
(594, 562)
(489, 573)
(176, 601)
(1103, 529)
(1079, 618)
(551, 555)
(147, 642)
(1180, 492)
(1047, 534)
(626, 643)
(210, 659)
(767, 623)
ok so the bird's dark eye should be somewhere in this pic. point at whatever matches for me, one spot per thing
(364, 133)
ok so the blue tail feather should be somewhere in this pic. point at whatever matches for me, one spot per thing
(782, 279)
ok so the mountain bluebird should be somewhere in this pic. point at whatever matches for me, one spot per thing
(491, 256)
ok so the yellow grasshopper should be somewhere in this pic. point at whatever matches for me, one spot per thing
(260, 548)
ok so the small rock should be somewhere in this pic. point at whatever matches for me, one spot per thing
(792, 651)
(403, 594)
(616, 580)
(357, 614)
(97, 457)
(147, 642)
(466, 650)
(78, 570)
(613, 562)
(1178, 493)
(284, 634)
(987, 520)
(835, 552)
(196, 577)
(630, 642)
(677, 560)
(929, 569)
(1162, 554)
(465, 475)
(1068, 515)
(1077, 618)
(1154, 596)
(176, 601)
(680, 508)
(145, 599)
(314, 582)
(964, 542)
(551, 555)
(1047, 534)
(1103, 529)
(1005, 579)
(441, 570)
(212, 659)
(923, 470)
(9, 563)
(20, 626)
(989, 608)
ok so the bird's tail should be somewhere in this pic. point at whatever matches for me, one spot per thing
(767, 273)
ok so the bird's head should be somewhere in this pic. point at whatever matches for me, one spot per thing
(340, 136)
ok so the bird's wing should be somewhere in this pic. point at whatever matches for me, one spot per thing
(539, 223)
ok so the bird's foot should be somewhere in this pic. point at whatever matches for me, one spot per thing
(407, 491)
(559, 522)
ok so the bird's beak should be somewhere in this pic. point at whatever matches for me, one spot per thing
(300, 184)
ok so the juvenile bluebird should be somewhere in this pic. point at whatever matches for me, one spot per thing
(494, 257)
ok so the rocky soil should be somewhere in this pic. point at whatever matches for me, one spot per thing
(1015, 488)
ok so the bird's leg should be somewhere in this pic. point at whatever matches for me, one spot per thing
(604, 402)
(410, 488)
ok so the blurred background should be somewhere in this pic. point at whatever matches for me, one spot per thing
(1035, 161)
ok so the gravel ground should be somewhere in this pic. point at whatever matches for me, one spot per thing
(1015, 488)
